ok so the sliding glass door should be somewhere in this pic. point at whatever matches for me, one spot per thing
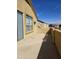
(19, 25)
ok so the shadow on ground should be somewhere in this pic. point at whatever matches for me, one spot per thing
(48, 49)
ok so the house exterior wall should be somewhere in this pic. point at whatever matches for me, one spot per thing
(42, 27)
(26, 9)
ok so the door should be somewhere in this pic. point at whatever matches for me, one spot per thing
(19, 25)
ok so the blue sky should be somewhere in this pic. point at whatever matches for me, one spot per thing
(48, 11)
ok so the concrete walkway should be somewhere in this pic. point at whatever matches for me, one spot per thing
(37, 46)
(29, 48)
(48, 49)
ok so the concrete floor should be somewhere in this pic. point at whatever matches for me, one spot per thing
(37, 46)
(29, 48)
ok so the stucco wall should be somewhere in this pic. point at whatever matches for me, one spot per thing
(42, 28)
(56, 38)
(26, 9)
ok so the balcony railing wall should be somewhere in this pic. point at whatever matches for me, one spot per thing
(56, 38)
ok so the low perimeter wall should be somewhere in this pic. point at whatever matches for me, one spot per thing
(56, 37)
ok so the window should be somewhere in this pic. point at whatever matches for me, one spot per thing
(29, 24)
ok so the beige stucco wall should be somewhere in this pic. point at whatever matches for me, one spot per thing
(26, 9)
(56, 38)
(42, 27)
